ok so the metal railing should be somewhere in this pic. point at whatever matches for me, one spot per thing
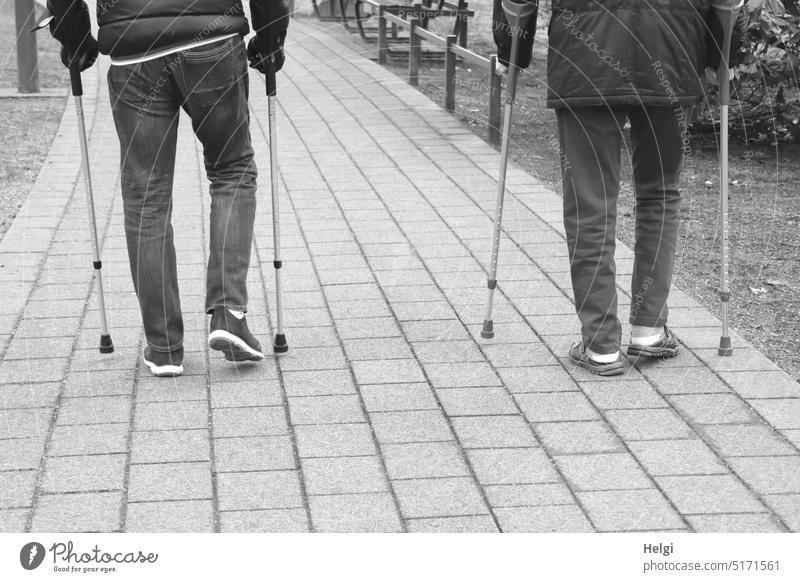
(452, 51)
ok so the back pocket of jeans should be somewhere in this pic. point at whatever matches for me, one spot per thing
(208, 51)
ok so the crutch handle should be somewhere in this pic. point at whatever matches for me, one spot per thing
(272, 85)
(75, 78)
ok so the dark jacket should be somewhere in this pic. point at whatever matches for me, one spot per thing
(137, 28)
(617, 52)
(134, 28)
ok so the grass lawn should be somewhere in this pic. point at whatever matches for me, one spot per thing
(764, 202)
(29, 124)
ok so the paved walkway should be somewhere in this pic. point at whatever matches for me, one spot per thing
(389, 413)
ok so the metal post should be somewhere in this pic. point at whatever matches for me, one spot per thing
(27, 52)
(450, 74)
(383, 44)
(462, 34)
(495, 93)
(414, 53)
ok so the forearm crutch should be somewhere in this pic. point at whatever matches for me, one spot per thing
(727, 11)
(280, 344)
(518, 15)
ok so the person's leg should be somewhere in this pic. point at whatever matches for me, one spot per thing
(214, 83)
(657, 159)
(146, 117)
(590, 142)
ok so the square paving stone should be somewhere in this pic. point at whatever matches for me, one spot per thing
(171, 415)
(89, 439)
(709, 494)
(334, 440)
(397, 397)
(762, 384)
(339, 475)
(387, 372)
(677, 457)
(259, 490)
(13, 520)
(264, 521)
(489, 400)
(24, 422)
(28, 371)
(318, 383)
(241, 394)
(410, 426)
(251, 421)
(648, 424)
(537, 379)
(42, 395)
(170, 517)
(447, 352)
(78, 512)
(94, 410)
(781, 413)
(788, 509)
(461, 375)
(511, 466)
(605, 471)
(102, 383)
(16, 488)
(84, 473)
(556, 407)
(24, 453)
(577, 437)
(606, 395)
(462, 524)
(735, 523)
(529, 494)
(492, 432)
(543, 519)
(364, 512)
(455, 496)
(313, 359)
(640, 510)
(392, 348)
(690, 380)
(179, 389)
(325, 410)
(367, 328)
(713, 408)
(253, 453)
(169, 482)
(172, 446)
(769, 474)
(424, 460)
(519, 355)
(746, 440)
(314, 336)
(435, 331)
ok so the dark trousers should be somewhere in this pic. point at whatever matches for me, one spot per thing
(591, 139)
(210, 83)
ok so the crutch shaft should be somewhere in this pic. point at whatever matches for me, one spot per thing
(280, 344)
(106, 345)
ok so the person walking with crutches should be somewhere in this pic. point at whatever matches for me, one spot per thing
(640, 61)
(167, 56)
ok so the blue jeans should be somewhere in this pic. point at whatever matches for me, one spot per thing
(591, 139)
(210, 83)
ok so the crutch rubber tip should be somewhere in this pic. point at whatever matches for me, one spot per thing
(280, 345)
(488, 330)
(106, 345)
(725, 347)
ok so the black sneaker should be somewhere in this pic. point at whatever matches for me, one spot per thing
(164, 364)
(230, 335)
(666, 347)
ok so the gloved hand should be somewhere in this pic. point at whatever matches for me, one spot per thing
(264, 47)
(72, 27)
(270, 21)
(503, 33)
